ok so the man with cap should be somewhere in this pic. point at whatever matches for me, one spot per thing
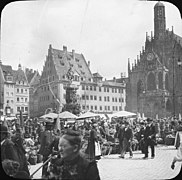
(149, 138)
(72, 165)
(127, 139)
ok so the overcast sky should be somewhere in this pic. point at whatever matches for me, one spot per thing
(106, 32)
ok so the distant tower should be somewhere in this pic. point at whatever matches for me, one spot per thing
(159, 21)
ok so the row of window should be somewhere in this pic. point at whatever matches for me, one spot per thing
(21, 90)
(18, 91)
(101, 108)
(23, 109)
(102, 89)
(22, 99)
(9, 94)
(17, 82)
(106, 98)
(9, 86)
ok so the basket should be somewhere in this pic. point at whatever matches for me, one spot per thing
(39, 158)
(169, 141)
(33, 159)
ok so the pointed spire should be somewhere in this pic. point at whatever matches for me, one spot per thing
(146, 36)
(135, 63)
(140, 54)
(137, 59)
(143, 49)
(129, 70)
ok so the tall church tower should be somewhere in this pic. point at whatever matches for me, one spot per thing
(159, 21)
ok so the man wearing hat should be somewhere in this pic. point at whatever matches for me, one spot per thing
(7, 146)
(127, 139)
(149, 138)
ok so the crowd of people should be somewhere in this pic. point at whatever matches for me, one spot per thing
(72, 150)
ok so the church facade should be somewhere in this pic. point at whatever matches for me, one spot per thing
(154, 84)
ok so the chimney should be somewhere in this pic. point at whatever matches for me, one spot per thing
(121, 75)
(64, 48)
(114, 79)
(89, 64)
(19, 67)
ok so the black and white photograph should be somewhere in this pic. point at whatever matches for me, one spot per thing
(91, 89)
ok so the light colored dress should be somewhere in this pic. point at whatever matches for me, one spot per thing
(178, 156)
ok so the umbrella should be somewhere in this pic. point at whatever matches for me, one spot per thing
(88, 115)
(50, 116)
(67, 115)
(123, 114)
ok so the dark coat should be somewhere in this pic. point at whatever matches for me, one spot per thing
(21, 154)
(128, 134)
(53, 146)
(90, 151)
(150, 131)
(8, 151)
(141, 134)
(46, 139)
(121, 134)
(78, 169)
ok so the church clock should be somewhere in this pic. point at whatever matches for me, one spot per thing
(150, 56)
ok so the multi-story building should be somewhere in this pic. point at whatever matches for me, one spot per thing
(14, 90)
(155, 80)
(33, 78)
(102, 96)
(93, 93)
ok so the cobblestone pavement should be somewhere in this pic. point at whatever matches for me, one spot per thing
(115, 168)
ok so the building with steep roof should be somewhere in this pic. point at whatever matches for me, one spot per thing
(92, 92)
(154, 84)
(14, 90)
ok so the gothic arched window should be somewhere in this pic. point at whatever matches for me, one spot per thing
(160, 80)
(140, 87)
(167, 82)
(151, 84)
